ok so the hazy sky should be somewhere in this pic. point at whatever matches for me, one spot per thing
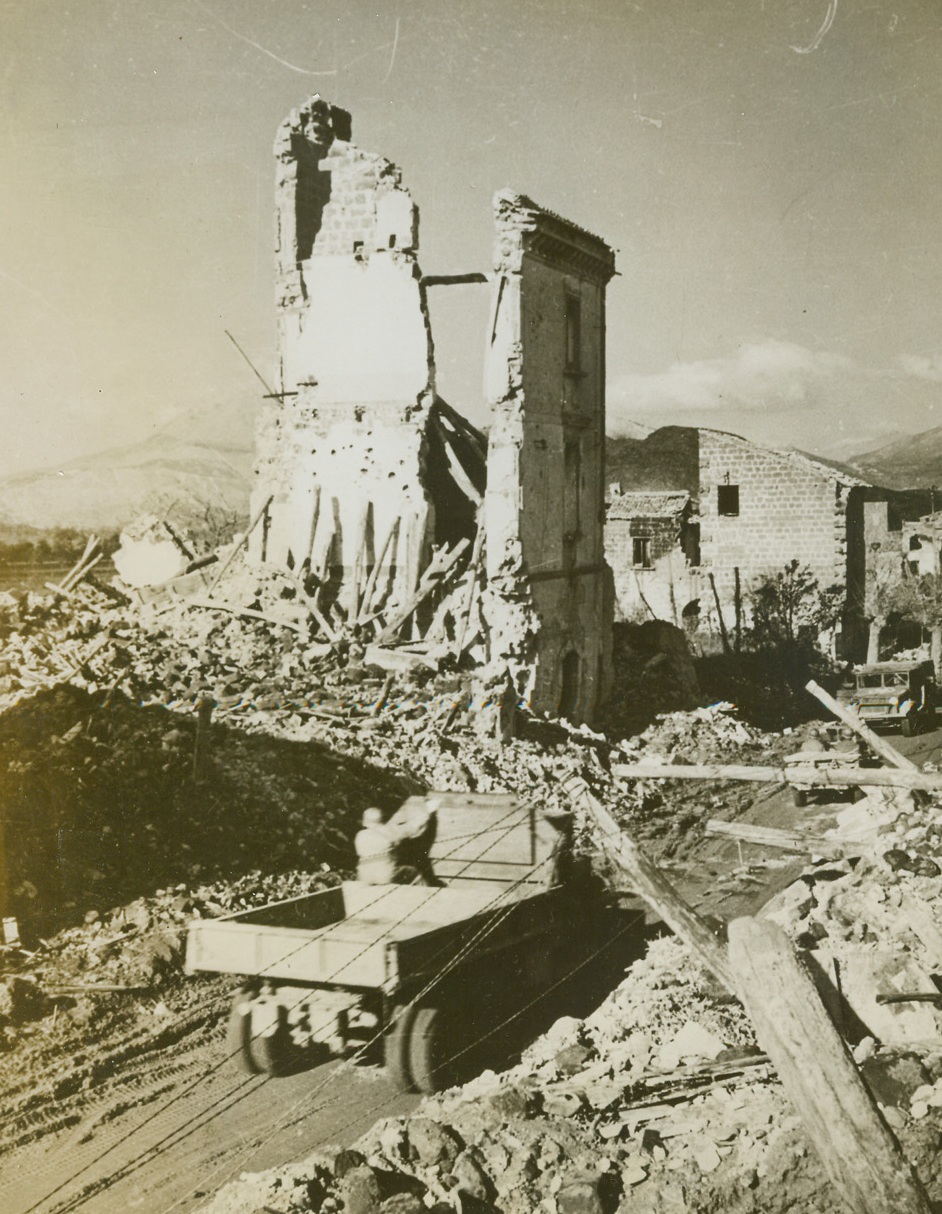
(769, 172)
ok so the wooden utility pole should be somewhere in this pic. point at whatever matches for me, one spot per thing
(861, 1157)
(873, 740)
(817, 777)
(719, 614)
(653, 886)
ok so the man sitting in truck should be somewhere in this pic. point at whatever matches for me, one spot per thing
(396, 852)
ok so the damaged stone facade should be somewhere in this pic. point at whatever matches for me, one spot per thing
(371, 489)
(651, 545)
(341, 479)
(754, 511)
(549, 595)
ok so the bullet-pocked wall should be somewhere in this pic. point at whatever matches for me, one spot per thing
(549, 598)
(341, 446)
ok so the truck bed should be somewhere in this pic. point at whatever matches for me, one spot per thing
(356, 935)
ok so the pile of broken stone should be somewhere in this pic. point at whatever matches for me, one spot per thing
(661, 1099)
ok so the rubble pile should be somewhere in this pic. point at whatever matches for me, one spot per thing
(669, 815)
(146, 813)
(659, 1101)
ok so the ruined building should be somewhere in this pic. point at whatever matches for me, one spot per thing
(705, 515)
(397, 516)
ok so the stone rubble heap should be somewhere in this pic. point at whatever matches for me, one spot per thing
(659, 1101)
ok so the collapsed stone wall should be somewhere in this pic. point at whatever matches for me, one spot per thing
(664, 586)
(341, 446)
(549, 597)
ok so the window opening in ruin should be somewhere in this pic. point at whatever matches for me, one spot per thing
(572, 475)
(569, 690)
(573, 333)
(690, 543)
(727, 500)
(914, 543)
(641, 552)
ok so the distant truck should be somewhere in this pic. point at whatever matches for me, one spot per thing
(894, 693)
(831, 748)
(428, 976)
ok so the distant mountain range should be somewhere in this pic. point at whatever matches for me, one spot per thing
(201, 459)
(205, 458)
(911, 462)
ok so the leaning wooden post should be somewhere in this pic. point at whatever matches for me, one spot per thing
(874, 741)
(204, 717)
(653, 886)
(861, 1157)
(259, 515)
(724, 635)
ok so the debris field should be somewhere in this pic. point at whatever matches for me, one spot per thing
(166, 761)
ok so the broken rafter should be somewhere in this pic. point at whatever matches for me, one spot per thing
(442, 563)
(860, 1155)
(838, 776)
(259, 515)
(786, 840)
(653, 886)
(250, 613)
(453, 280)
(849, 717)
(309, 603)
(368, 589)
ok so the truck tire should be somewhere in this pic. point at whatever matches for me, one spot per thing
(908, 726)
(800, 797)
(396, 1046)
(254, 1054)
(239, 1034)
(429, 1050)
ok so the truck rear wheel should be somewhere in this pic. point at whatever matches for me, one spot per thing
(255, 1053)
(429, 1050)
(396, 1046)
(908, 726)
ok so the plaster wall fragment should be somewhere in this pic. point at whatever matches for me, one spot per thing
(341, 449)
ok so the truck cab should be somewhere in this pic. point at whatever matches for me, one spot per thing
(901, 692)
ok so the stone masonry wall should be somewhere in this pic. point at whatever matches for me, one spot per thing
(549, 599)
(341, 448)
(789, 509)
(662, 591)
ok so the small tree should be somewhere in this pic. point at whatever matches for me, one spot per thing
(790, 610)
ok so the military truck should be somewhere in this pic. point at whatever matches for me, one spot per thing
(430, 976)
(901, 692)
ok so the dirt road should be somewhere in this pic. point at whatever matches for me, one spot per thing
(151, 1117)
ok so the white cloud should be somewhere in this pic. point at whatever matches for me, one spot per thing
(762, 376)
(922, 366)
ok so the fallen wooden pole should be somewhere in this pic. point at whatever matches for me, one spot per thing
(860, 1156)
(653, 886)
(259, 515)
(279, 621)
(817, 777)
(873, 740)
(787, 840)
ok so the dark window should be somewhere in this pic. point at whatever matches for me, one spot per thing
(727, 500)
(569, 691)
(641, 552)
(914, 543)
(573, 333)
